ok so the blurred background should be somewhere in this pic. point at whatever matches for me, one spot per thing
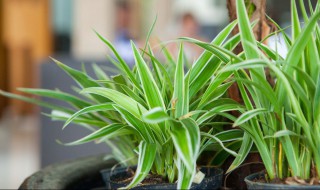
(33, 30)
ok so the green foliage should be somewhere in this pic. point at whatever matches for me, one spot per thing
(159, 117)
(283, 120)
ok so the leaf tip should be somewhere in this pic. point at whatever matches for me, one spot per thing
(59, 142)
(54, 60)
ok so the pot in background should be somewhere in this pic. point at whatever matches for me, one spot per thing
(114, 173)
(252, 185)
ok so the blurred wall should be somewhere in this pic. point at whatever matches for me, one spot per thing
(89, 16)
(3, 69)
(163, 11)
(27, 40)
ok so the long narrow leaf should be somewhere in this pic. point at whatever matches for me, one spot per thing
(151, 90)
(155, 115)
(147, 153)
(101, 133)
(119, 98)
(178, 94)
(89, 109)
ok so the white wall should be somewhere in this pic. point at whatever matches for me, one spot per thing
(208, 12)
(89, 15)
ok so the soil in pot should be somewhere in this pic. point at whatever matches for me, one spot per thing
(121, 174)
(121, 177)
(258, 181)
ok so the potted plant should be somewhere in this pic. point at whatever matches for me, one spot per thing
(282, 120)
(157, 118)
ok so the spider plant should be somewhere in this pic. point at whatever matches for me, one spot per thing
(159, 118)
(282, 120)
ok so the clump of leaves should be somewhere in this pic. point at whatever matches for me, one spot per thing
(151, 114)
(283, 120)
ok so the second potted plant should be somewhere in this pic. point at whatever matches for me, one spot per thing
(282, 120)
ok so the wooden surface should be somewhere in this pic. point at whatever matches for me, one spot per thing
(27, 40)
(3, 73)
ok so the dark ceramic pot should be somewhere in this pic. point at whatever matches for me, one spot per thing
(83, 173)
(109, 174)
(212, 180)
(251, 184)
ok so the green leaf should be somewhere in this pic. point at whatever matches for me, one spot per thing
(314, 58)
(266, 89)
(185, 177)
(89, 109)
(282, 133)
(156, 69)
(243, 152)
(214, 91)
(179, 87)
(301, 42)
(305, 77)
(186, 97)
(141, 128)
(221, 156)
(156, 63)
(151, 91)
(58, 95)
(121, 81)
(217, 50)
(295, 22)
(218, 102)
(149, 34)
(101, 75)
(249, 115)
(147, 153)
(168, 55)
(230, 135)
(104, 132)
(300, 93)
(155, 115)
(248, 64)
(290, 152)
(285, 36)
(213, 137)
(81, 78)
(186, 143)
(217, 110)
(58, 115)
(303, 10)
(204, 58)
(248, 40)
(249, 45)
(209, 67)
(270, 52)
(123, 66)
(316, 102)
(194, 132)
(226, 136)
(35, 101)
(133, 95)
(207, 64)
(119, 98)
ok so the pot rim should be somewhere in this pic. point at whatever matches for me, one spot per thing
(219, 171)
(248, 180)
